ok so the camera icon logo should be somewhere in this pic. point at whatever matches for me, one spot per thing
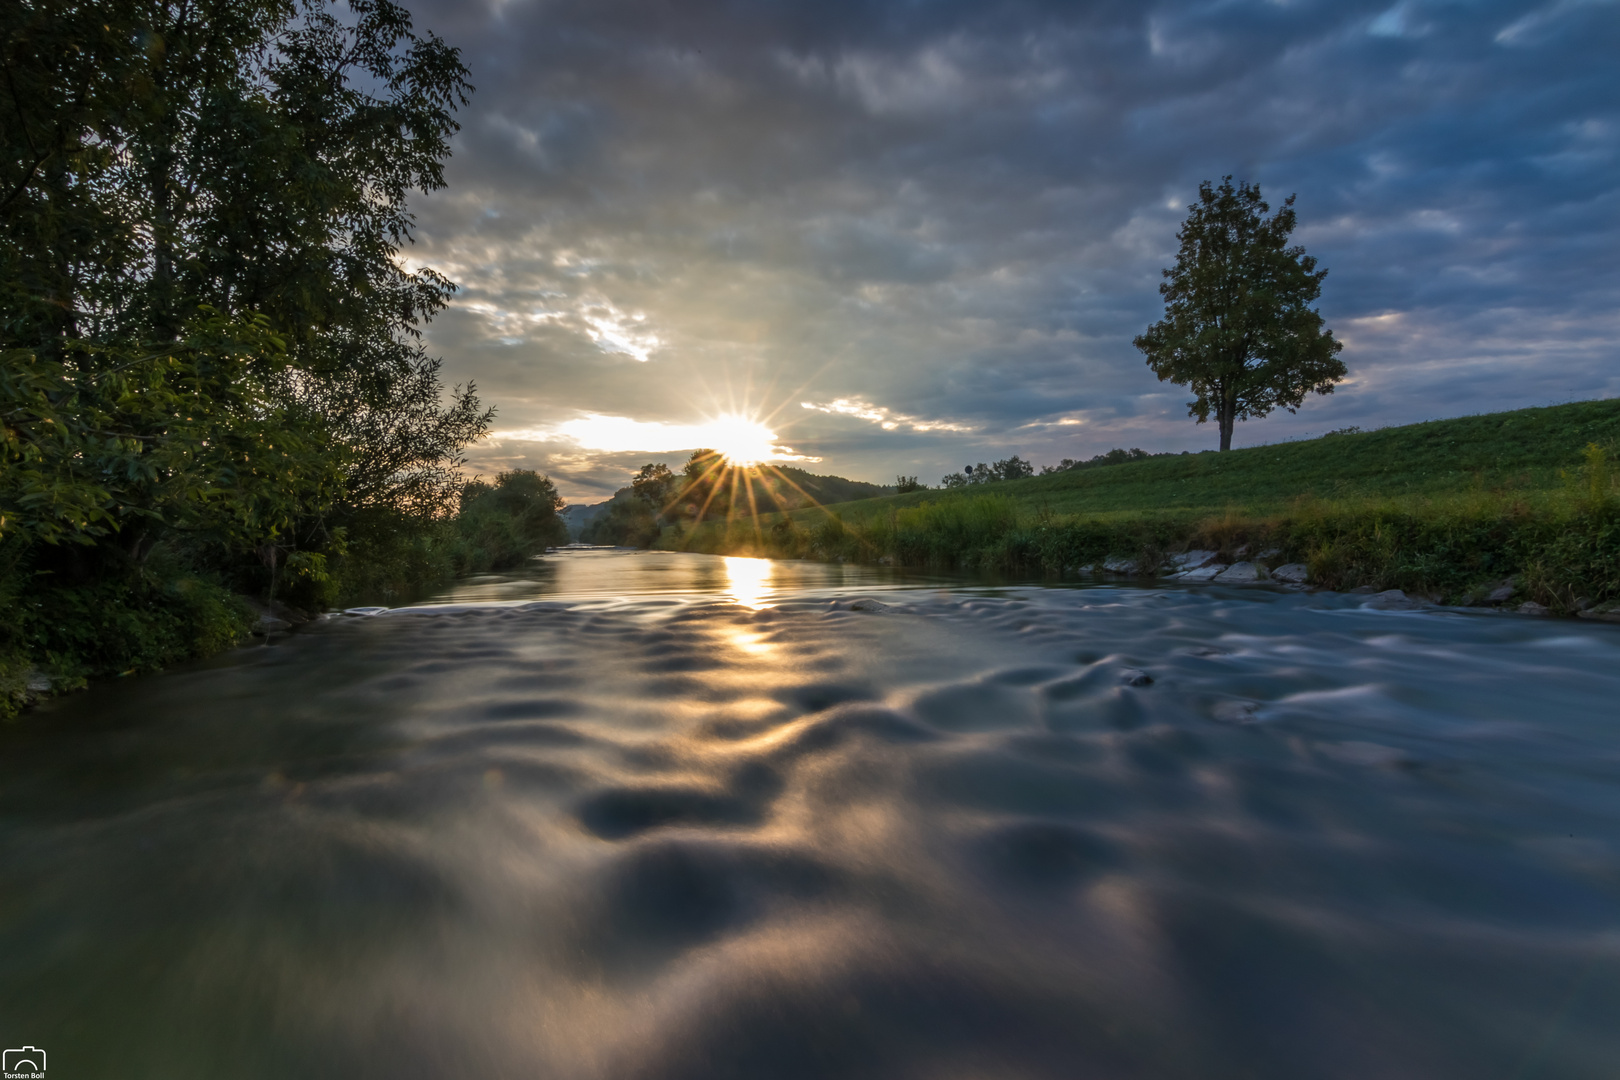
(25, 1061)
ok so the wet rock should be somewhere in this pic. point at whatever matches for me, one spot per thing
(1135, 677)
(1501, 593)
(1193, 560)
(1530, 607)
(1607, 612)
(1241, 553)
(1293, 573)
(269, 624)
(1395, 600)
(1242, 573)
(1204, 573)
(1269, 553)
(1364, 590)
(277, 611)
(37, 682)
(1120, 566)
(870, 605)
(1085, 570)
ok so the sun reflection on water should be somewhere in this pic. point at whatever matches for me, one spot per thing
(749, 581)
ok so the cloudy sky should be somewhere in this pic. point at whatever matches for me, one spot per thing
(912, 235)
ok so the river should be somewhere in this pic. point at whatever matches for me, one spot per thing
(675, 816)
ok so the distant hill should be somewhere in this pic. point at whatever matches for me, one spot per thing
(825, 489)
(624, 520)
(577, 517)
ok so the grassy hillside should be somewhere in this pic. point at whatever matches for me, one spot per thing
(1448, 508)
(1523, 450)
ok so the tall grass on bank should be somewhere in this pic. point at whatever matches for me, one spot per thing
(1562, 545)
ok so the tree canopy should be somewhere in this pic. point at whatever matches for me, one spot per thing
(209, 339)
(241, 165)
(1238, 327)
(505, 524)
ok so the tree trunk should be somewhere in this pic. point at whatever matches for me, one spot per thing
(1226, 416)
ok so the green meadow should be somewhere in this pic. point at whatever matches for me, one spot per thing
(1447, 509)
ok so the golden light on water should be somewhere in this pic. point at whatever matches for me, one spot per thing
(748, 581)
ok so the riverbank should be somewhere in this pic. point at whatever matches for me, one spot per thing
(58, 631)
(1508, 508)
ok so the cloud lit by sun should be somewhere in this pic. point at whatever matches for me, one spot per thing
(741, 439)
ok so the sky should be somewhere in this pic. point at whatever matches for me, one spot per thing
(882, 239)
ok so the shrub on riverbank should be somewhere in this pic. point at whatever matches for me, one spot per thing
(63, 634)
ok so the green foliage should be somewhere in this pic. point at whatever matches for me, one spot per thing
(210, 347)
(505, 524)
(905, 485)
(1598, 475)
(657, 487)
(1238, 326)
(112, 441)
(933, 533)
(123, 625)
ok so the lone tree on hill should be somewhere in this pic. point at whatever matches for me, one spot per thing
(1238, 327)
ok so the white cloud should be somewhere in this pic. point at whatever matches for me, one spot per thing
(615, 332)
(885, 418)
(739, 437)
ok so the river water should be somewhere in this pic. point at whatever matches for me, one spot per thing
(676, 816)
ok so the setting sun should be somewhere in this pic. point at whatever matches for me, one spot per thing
(740, 440)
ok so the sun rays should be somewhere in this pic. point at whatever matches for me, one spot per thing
(740, 440)
(738, 473)
(742, 484)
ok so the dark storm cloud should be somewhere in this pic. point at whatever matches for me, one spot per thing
(950, 217)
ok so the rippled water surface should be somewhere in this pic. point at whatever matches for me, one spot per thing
(682, 817)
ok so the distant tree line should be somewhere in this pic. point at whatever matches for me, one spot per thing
(1013, 468)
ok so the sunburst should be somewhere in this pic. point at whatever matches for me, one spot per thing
(740, 439)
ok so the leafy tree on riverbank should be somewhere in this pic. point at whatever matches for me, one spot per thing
(211, 372)
(505, 524)
(657, 487)
(1238, 326)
